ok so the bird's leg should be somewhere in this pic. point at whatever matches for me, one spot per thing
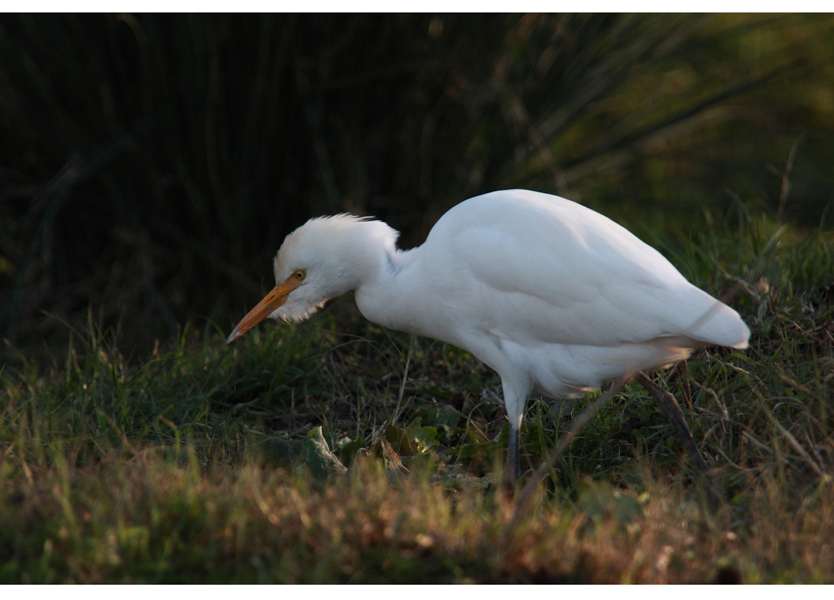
(514, 403)
(512, 469)
(672, 411)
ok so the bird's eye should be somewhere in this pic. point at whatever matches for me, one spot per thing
(300, 274)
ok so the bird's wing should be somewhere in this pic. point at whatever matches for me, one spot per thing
(556, 272)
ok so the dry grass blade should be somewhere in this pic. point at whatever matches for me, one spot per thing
(793, 442)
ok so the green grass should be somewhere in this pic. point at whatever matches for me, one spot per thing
(336, 451)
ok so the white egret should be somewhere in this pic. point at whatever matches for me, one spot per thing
(553, 296)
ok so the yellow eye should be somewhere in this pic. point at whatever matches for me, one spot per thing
(300, 274)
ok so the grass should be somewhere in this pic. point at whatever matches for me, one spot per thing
(337, 451)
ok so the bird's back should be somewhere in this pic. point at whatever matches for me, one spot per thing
(539, 282)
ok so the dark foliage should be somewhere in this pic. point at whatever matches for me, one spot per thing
(150, 165)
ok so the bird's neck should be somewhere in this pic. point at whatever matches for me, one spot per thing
(385, 290)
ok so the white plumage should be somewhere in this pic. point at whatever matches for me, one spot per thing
(553, 296)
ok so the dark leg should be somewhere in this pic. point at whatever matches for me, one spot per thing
(672, 411)
(512, 470)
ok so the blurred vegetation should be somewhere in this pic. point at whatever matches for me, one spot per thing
(151, 165)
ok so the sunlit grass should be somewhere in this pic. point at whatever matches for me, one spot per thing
(144, 517)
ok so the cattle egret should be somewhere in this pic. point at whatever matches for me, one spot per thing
(553, 296)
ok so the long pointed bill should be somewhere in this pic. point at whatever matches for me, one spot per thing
(273, 300)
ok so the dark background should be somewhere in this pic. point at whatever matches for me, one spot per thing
(151, 165)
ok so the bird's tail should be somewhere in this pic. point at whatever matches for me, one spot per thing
(719, 325)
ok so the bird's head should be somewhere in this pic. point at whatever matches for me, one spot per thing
(322, 259)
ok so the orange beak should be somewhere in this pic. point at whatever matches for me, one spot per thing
(273, 300)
